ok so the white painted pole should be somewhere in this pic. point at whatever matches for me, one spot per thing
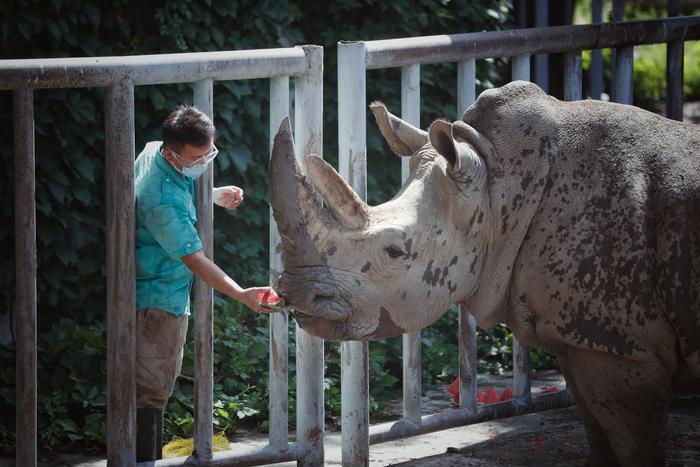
(204, 298)
(308, 130)
(279, 322)
(466, 95)
(410, 111)
(521, 353)
(352, 157)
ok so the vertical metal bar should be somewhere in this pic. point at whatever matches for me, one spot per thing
(618, 11)
(279, 322)
(466, 95)
(617, 15)
(572, 77)
(596, 55)
(623, 75)
(204, 298)
(121, 273)
(466, 85)
(674, 70)
(521, 353)
(542, 60)
(352, 157)
(25, 277)
(520, 7)
(308, 128)
(410, 112)
(520, 68)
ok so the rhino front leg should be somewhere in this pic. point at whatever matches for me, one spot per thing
(601, 452)
(629, 400)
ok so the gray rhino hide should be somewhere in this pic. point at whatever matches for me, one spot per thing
(606, 274)
(576, 225)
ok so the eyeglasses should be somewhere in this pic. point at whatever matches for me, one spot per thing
(205, 159)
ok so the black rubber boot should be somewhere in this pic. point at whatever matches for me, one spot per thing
(159, 433)
(146, 434)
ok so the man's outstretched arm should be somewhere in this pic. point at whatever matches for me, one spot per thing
(205, 269)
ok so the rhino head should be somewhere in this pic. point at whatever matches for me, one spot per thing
(359, 272)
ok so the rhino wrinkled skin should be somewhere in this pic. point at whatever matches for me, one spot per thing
(574, 223)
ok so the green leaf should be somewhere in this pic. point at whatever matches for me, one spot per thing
(57, 190)
(82, 194)
(241, 158)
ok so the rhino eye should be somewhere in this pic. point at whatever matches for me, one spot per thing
(394, 252)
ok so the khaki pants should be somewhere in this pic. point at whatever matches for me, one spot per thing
(160, 338)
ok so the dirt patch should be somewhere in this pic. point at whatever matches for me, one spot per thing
(557, 438)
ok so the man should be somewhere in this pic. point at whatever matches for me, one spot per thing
(168, 254)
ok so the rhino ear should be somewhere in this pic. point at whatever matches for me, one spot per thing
(403, 138)
(340, 198)
(464, 164)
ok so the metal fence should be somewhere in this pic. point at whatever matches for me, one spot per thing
(354, 59)
(119, 75)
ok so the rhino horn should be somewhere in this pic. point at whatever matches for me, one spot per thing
(451, 141)
(340, 198)
(403, 138)
(296, 206)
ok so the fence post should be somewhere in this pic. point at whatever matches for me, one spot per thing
(25, 277)
(572, 77)
(204, 298)
(352, 157)
(623, 75)
(410, 112)
(466, 95)
(596, 54)
(674, 70)
(542, 60)
(521, 353)
(121, 273)
(308, 129)
(279, 322)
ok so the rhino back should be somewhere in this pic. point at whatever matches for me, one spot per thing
(615, 235)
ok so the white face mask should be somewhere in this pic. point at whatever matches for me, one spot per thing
(195, 171)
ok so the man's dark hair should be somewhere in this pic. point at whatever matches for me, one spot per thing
(187, 125)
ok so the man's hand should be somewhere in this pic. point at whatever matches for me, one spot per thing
(250, 296)
(229, 197)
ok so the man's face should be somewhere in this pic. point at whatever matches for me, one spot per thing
(190, 156)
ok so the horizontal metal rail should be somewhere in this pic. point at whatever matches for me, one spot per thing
(392, 53)
(151, 69)
(239, 457)
(452, 418)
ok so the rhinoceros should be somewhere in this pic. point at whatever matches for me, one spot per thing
(577, 224)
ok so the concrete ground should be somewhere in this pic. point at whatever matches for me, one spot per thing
(552, 438)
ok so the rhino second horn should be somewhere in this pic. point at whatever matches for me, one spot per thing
(403, 138)
(340, 198)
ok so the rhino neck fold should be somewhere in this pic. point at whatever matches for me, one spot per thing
(511, 223)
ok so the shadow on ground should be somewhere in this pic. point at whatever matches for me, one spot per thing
(557, 438)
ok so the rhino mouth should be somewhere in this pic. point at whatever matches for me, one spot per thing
(311, 297)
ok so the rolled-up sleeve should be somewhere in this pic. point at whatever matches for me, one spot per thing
(172, 228)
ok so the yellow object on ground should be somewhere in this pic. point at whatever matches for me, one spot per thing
(183, 447)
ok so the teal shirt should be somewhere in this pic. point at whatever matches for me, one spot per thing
(165, 232)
